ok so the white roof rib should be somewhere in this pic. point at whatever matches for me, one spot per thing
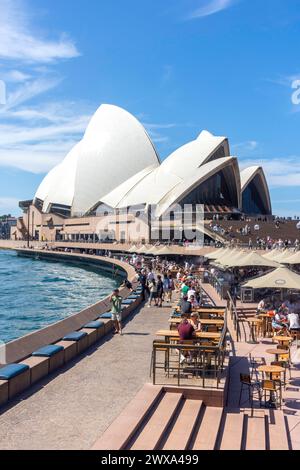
(115, 197)
(62, 190)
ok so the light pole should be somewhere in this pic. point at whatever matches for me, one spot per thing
(28, 228)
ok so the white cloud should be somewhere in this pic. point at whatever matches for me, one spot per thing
(243, 148)
(15, 76)
(8, 205)
(35, 139)
(210, 8)
(19, 41)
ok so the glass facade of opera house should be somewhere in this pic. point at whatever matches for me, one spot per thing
(113, 176)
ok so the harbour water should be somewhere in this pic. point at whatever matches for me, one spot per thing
(36, 293)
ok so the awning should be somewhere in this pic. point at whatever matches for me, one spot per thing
(280, 278)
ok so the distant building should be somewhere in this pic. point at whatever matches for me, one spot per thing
(7, 223)
(112, 183)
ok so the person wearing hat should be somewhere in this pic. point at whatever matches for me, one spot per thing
(195, 322)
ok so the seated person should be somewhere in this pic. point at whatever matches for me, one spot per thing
(127, 284)
(195, 322)
(193, 301)
(277, 321)
(185, 329)
(283, 310)
(185, 305)
(261, 307)
(294, 322)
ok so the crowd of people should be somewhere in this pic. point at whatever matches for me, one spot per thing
(285, 315)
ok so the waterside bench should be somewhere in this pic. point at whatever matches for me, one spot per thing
(16, 378)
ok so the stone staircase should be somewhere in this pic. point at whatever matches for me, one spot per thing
(166, 419)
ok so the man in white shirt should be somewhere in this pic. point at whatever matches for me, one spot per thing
(294, 322)
(191, 293)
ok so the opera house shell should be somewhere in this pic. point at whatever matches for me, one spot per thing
(116, 165)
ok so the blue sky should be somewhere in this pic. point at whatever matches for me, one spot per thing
(179, 66)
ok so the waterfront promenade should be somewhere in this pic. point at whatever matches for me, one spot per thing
(71, 409)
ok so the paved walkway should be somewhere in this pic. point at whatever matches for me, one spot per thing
(74, 408)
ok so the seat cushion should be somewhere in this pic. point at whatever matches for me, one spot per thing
(75, 336)
(106, 315)
(127, 302)
(94, 324)
(12, 370)
(48, 351)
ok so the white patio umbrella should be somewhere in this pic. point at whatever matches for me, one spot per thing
(232, 255)
(252, 258)
(217, 253)
(280, 278)
(132, 249)
(294, 258)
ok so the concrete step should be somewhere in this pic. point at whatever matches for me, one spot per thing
(231, 430)
(277, 432)
(206, 434)
(255, 430)
(182, 430)
(124, 427)
(149, 437)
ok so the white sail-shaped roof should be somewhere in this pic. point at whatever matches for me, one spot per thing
(248, 175)
(62, 190)
(199, 176)
(180, 165)
(115, 148)
(185, 159)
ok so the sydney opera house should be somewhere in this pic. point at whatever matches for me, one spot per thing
(112, 183)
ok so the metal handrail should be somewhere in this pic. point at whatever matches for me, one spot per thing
(234, 317)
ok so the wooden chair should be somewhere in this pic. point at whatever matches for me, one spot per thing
(160, 349)
(252, 387)
(270, 386)
(285, 360)
(277, 376)
(255, 362)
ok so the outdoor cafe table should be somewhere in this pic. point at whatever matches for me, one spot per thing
(253, 322)
(209, 321)
(282, 339)
(198, 334)
(213, 311)
(277, 352)
(269, 370)
(267, 319)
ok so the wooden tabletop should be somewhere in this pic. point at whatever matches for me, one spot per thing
(203, 309)
(254, 320)
(198, 334)
(210, 321)
(277, 351)
(282, 338)
(269, 369)
(265, 315)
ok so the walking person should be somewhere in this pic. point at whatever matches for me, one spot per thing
(116, 314)
(143, 282)
(160, 291)
(153, 292)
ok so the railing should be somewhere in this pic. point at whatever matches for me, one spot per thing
(234, 316)
(201, 355)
